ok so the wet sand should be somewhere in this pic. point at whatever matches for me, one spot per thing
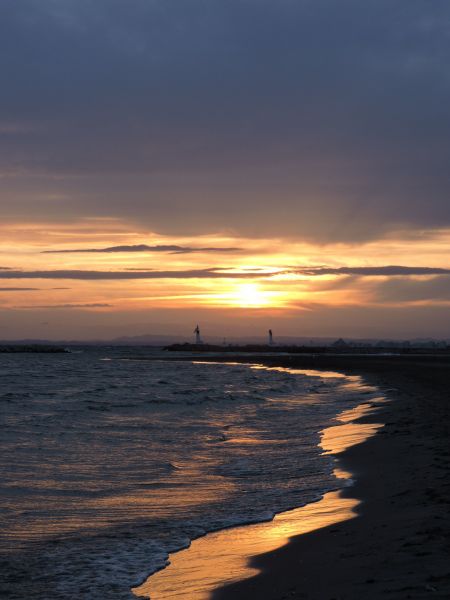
(221, 557)
(398, 546)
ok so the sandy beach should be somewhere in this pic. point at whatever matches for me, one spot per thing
(398, 546)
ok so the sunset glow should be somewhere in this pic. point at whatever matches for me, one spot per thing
(106, 271)
(224, 266)
(133, 203)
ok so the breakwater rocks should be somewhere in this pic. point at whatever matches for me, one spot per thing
(331, 350)
(31, 348)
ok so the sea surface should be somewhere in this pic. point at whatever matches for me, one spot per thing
(113, 457)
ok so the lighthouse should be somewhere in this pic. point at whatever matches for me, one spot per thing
(198, 339)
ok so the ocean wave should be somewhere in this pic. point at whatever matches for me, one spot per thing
(117, 462)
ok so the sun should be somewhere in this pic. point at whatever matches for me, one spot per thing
(246, 295)
(251, 295)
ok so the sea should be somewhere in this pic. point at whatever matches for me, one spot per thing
(112, 458)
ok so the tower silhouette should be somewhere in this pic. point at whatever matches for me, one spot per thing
(198, 339)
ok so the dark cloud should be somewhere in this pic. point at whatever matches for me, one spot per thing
(109, 275)
(223, 273)
(63, 306)
(325, 119)
(384, 271)
(172, 249)
(16, 289)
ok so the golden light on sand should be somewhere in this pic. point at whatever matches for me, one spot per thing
(224, 557)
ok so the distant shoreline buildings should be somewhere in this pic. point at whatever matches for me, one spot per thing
(338, 344)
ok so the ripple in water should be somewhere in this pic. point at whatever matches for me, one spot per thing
(109, 465)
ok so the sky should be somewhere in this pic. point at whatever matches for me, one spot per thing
(243, 164)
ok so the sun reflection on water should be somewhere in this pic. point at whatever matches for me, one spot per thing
(223, 557)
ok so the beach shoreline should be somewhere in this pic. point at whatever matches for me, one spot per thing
(220, 557)
(398, 546)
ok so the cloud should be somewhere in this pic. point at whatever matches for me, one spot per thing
(108, 275)
(172, 249)
(318, 120)
(224, 273)
(16, 289)
(436, 289)
(12, 128)
(383, 271)
(64, 306)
